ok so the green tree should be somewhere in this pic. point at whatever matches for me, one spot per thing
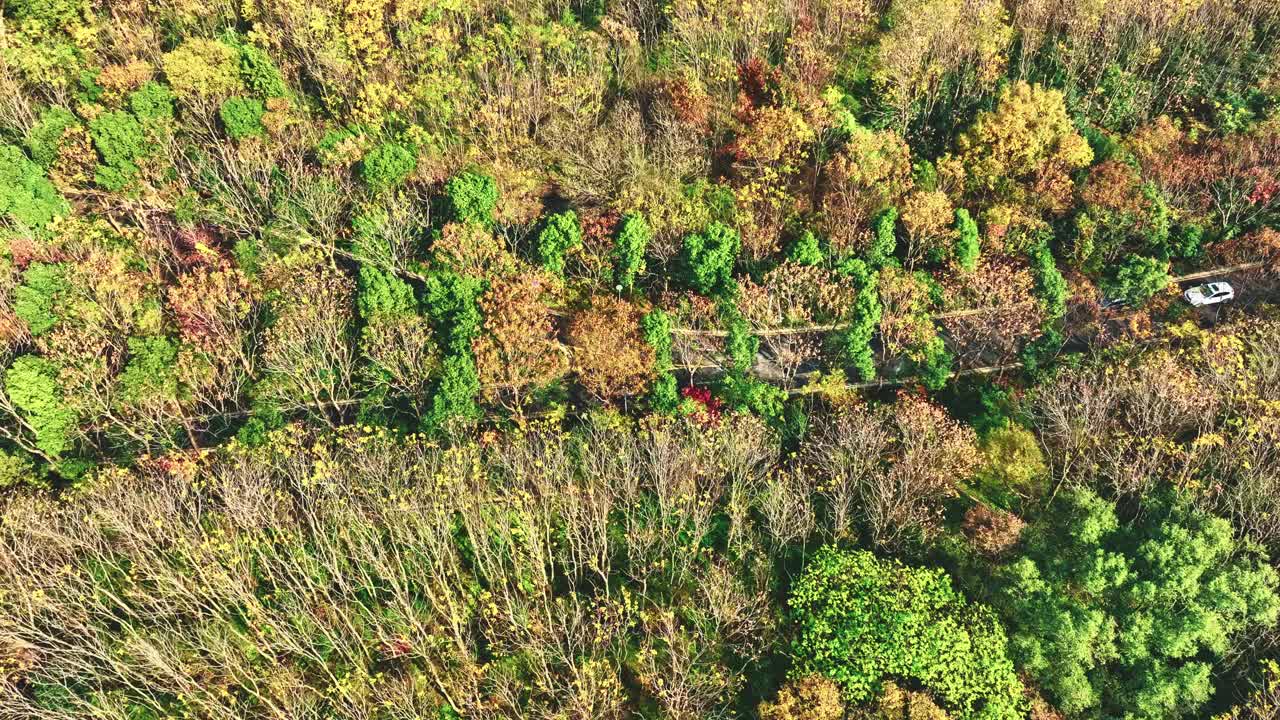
(884, 241)
(1012, 463)
(708, 259)
(46, 12)
(863, 320)
(387, 165)
(744, 393)
(471, 197)
(805, 250)
(740, 344)
(863, 621)
(739, 389)
(260, 74)
(1039, 352)
(45, 136)
(1051, 292)
(656, 327)
(1051, 287)
(151, 371)
(152, 103)
(32, 386)
(242, 117)
(35, 300)
(120, 143)
(629, 248)
(1128, 620)
(202, 69)
(934, 365)
(383, 293)
(452, 302)
(1139, 278)
(1187, 242)
(968, 246)
(560, 234)
(26, 195)
(1023, 151)
(1159, 225)
(17, 469)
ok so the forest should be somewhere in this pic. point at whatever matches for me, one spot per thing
(652, 359)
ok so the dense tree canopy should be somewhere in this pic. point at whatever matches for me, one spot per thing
(1126, 621)
(864, 620)
(681, 360)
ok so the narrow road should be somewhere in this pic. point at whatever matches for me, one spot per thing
(701, 356)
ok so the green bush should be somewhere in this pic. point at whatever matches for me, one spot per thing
(471, 197)
(242, 117)
(708, 259)
(862, 620)
(628, 251)
(805, 250)
(968, 245)
(120, 143)
(32, 386)
(1138, 278)
(884, 240)
(45, 137)
(452, 302)
(863, 320)
(1050, 286)
(26, 195)
(152, 103)
(35, 300)
(387, 166)
(559, 234)
(663, 397)
(260, 74)
(384, 293)
(1129, 620)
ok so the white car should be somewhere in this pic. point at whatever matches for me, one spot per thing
(1209, 294)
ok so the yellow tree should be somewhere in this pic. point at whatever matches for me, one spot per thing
(769, 155)
(1022, 152)
(927, 216)
(870, 172)
(934, 39)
